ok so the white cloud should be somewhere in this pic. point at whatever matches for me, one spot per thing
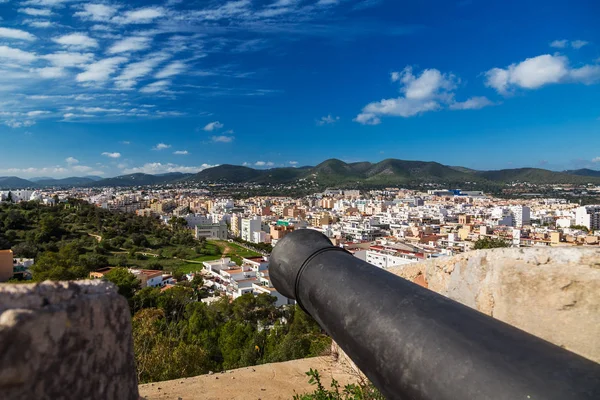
(132, 72)
(561, 44)
(97, 12)
(18, 34)
(213, 126)
(264, 163)
(140, 16)
(101, 70)
(294, 163)
(19, 124)
(328, 120)
(577, 44)
(129, 45)
(181, 152)
(156, 87)
(588, 74)
(13, 54)
(367, 119)
(37, 113)
(76, 40)
(427, 92)
(68, 59)
(474, 103)
(38, 23)
(161, 146)
(49, 72)
(159, 168)
(222, 139)
(175, 68)
(111, 155)
(71, 160)
(596, 160)
(36, 12)
(538, 71)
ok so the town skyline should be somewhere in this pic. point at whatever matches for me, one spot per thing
(114, 88)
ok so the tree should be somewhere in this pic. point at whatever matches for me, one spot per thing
(490, 243)
(126, 282)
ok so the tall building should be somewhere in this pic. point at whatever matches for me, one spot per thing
(249, 227)
(236, 224)
(588, 216)
(521, 215)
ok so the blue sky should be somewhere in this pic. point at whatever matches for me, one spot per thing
(109, 88)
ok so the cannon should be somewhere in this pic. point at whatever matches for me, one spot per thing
(413, 343)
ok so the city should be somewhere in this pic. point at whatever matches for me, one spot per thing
(299, 199)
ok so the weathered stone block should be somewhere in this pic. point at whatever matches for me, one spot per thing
(552, 293)
(65, 340)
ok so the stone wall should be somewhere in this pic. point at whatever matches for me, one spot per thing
(552, 293)
(67, 340)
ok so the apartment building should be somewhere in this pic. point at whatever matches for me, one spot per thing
(588, 216)
(211, 231)
(250, 226)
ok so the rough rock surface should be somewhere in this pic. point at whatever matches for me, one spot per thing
(65, 340)
(268, 381)
(552, 293)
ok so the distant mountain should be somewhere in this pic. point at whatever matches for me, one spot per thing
(41, 178)
(12, 182)
(331, 172)
(535, 175)
(94, 177)
(140, 179)
(584, 172)
(387, 172)
(72, 181)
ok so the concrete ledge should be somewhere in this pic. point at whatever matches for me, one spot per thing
(65, 340)
(552, 293)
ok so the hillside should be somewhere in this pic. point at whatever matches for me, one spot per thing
(140, 179)
(332, 172)
(12, 182)
(71, 181)
(387, 172)
(535, 175)
(584, 172)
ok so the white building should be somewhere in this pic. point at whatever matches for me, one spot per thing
(588, 216)
(249, 227)
(521, 215)
(211, 231)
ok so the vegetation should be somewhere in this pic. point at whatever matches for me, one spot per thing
(179, 337)
(490, 243)
(175, 334)
(364, 390)
(72, 239)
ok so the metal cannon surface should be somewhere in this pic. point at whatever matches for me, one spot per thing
(413, 343)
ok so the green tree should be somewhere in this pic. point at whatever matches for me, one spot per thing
(126, 282)
(490, 243)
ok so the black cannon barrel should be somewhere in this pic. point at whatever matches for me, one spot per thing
(413, 343)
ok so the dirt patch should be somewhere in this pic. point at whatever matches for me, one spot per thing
(269, 381)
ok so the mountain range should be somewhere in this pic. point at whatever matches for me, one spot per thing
(332, 172)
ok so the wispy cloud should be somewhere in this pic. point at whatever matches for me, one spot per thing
(264, 163)
(160, 168)
(101, 70)
(327, 120)
(181, 153)
(212, 126)
(561, 44)
(222, 139)
(129, 45)
(9, 33)
(76, 41)
(111, 155)
(161, 146)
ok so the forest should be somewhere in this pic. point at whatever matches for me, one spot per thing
(175, 334)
